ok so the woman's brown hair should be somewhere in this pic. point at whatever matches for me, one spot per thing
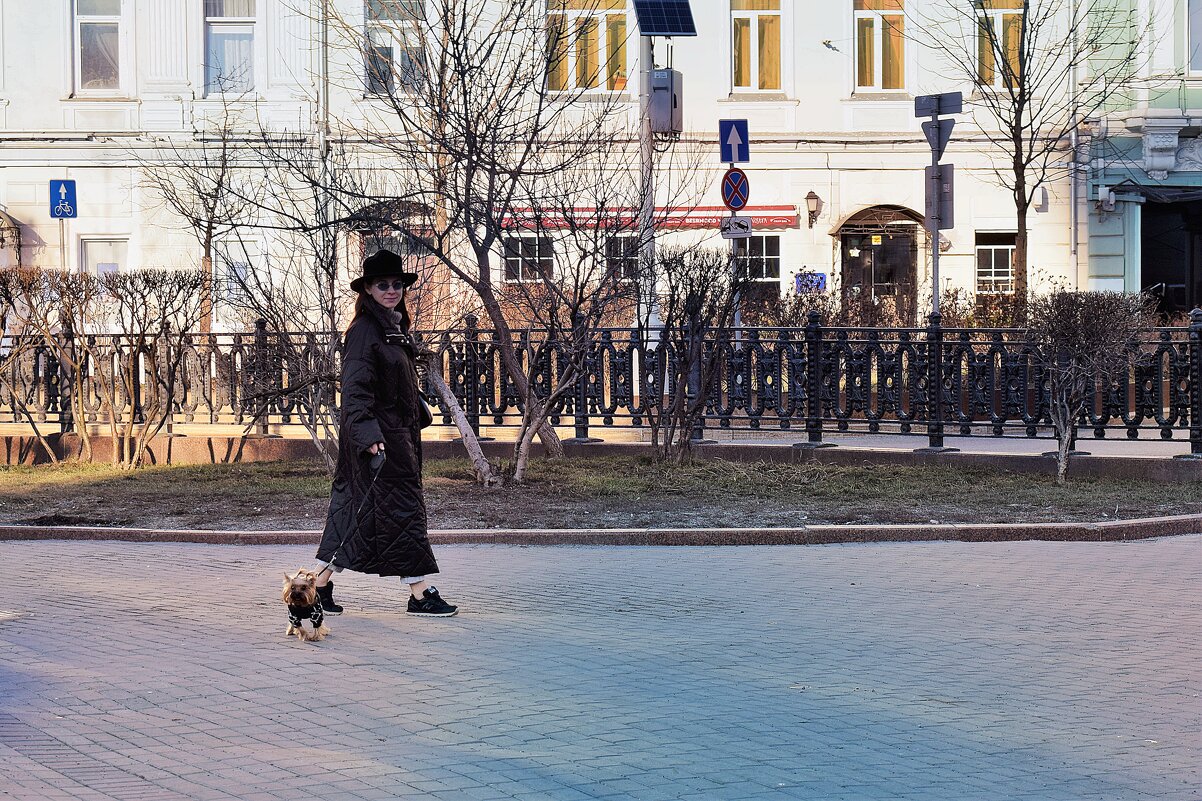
(360, 309)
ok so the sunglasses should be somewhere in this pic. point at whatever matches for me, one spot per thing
(396, 285)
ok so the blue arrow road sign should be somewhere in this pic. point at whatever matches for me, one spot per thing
(62, 200)
(736, 189)
(733, 141)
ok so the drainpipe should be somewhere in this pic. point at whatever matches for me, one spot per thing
(1074, 139)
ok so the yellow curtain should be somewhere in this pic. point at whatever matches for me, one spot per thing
(742, 52)
(1011, 43)
(769, 51)
(615, 57)
(588, 51)
(755, 5)
(557, 54)
(879, 5)
(893, 53)
(986, 62)
(865, 51)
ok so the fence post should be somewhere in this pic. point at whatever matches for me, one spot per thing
(694, 388)
(1195, 385)
(582, 345)
(68, 379)
(261, 377)
(471, 373)
(813, 384)
(935, 387)
(168, 378)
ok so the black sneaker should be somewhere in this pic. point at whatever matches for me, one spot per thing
(326, 594)
(431, 605)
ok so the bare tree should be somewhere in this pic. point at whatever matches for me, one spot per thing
(24, 356)
(197, 179)
(1038, 69)
(140, 373)
(63, 310)
(1085, 341)
(478, 125)
(699, 291)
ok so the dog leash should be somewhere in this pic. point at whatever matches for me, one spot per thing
(377, 465)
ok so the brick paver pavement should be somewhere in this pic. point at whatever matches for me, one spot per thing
(1042, 671)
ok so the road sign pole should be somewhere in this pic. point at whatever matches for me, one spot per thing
(62, 244)
(935, 233)
(648, 306)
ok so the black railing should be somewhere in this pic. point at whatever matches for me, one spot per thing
(815, 379)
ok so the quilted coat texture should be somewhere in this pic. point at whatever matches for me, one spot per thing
(380, 403)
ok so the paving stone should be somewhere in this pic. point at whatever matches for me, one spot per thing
(932, 671)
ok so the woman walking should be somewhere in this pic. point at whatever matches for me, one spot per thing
(382, 412)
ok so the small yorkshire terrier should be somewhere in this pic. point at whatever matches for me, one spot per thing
(300, 596)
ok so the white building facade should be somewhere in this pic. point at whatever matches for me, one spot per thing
(827, 89)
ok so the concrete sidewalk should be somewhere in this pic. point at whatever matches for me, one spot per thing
(926, 671)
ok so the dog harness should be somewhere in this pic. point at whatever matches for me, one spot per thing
(298, 613)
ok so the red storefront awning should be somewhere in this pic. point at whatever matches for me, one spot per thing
(695, 219)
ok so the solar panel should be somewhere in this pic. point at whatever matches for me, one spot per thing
(665, 18)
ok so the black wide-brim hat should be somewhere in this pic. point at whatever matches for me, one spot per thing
(383, 264)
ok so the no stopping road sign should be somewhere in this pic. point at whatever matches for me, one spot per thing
(736, 189)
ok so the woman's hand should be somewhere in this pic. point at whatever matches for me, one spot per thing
(374, 449)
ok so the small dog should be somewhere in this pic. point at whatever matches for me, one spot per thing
(300, 596)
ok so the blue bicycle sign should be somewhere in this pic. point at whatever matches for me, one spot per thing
(62, 200)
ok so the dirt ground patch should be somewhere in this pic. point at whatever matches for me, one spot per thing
(581, 493)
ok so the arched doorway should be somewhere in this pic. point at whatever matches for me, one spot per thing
(878, 250)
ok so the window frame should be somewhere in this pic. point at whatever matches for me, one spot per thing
(746, 258)
(997, 18)
(251, 249)
(1193, 49)
(993, 248)
(623, 265)
(229, 22)
(84, 241)
(878, 15)
(398, 30)
(753, 17)
(77, 23)
(521, 260)
(573, 19)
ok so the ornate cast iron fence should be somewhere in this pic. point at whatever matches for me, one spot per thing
(815, 380)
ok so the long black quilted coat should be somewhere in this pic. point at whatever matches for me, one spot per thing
(380, 403)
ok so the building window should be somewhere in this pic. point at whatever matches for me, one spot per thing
(586, 45)
(529, 258)
(755, 44)
(412, 248)
(98, 37)
(760, 257)
(622, 257)
(1195, 35)
(395, 53)
(999, 33)
(234, 265)
(229, 46)
(102, 256)
(995, 263)
(880, 44)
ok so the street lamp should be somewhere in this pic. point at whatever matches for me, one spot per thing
(813, 204)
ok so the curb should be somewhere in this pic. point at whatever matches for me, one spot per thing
(1103, 531)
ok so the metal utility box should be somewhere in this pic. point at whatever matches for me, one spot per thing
(667, 106)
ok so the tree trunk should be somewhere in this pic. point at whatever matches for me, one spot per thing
(206, 290)
(546, 433)
(1020, 255)
(484, 472)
